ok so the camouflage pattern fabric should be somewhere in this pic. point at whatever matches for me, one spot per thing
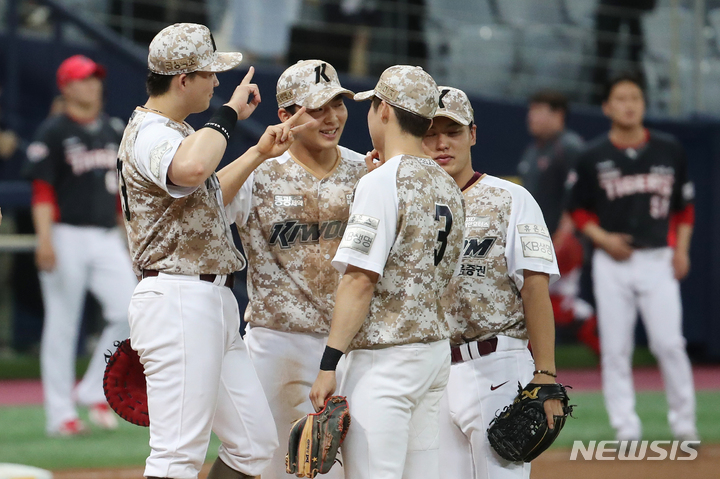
(484, 301)
(405, 307)
(295, 225)
(309, 83)
(407, 87)
(455, 104)
(188, 235)
(185, 48)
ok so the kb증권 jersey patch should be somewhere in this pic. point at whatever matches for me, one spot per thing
(407, 220)
(505, 234)
(165, 233)
(291, 223)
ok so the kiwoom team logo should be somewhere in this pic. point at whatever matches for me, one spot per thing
(635, 450)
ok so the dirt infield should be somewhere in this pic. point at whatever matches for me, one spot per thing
(551, 465)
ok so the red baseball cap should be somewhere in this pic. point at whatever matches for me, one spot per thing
(78, 67)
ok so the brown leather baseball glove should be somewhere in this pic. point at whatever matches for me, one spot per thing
(315, 439)
(124, 384)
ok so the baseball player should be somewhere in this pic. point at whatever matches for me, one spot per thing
(184, 319)
(71, 164)
(499, 300)
(399, 251)
(293, 219)
(633, 198)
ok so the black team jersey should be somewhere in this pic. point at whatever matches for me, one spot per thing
(633, 190)
(77, 162)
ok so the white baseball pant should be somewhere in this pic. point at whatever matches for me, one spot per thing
(394, 397)
(477, 390)
(645, 282)
(199, 378)
(287, 365)
(87, 258)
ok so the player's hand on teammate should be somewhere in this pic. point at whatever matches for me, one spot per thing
(681, 263)
(45, 256)
(323, 388)
(246, 96)
(618, 245)
(278, 138)
(373, 160)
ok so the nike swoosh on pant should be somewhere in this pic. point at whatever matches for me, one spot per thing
(492, 388)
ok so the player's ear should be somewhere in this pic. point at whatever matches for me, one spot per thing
(473, 134)
(385, 110)
(284, 115)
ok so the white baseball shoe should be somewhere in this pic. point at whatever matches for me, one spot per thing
(102, 416)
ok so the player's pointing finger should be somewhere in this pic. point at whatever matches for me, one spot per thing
(248, 76)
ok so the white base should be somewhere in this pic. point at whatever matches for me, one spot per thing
(19, 471)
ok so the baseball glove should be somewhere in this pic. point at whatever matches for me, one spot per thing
(124, 384)
(520, 432)
(315, 439)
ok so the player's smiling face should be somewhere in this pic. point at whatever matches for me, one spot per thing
(448, 143)
(625, 105)
(331, 119)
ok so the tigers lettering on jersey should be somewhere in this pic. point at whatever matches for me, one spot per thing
(617, 186)
(288, 233)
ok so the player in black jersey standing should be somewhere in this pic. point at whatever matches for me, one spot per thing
(72, 164)
(632, 197)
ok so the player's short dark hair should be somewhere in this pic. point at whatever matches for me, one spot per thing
(410, 123)
(630, 76)
(157, 85)
(554, 99)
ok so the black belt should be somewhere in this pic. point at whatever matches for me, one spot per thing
(210, 278)
(475, 350)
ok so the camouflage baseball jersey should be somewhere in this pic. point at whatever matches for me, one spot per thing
(505, 234)
(172, 229)
(294, 226)
(406, 225)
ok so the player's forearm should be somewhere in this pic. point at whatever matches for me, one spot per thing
(684, 235)
(539, 319)
(43, 218)
(234, 175)
(197, 157)
(596, 233)
(352, 304)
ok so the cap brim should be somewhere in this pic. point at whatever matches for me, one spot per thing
(225, 61)
(453, 116)
(325, 96)
(364, 95)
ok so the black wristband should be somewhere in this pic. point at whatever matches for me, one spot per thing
(224, 121)
(330, 359)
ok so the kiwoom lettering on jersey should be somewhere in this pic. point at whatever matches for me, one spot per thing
(478, 248)
(288, 233)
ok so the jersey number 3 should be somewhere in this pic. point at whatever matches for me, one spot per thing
(442, 211)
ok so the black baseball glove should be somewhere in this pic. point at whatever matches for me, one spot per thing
(520, 432)
(315, 439)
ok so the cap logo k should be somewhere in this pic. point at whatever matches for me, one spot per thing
(442, 94)
(320, 72)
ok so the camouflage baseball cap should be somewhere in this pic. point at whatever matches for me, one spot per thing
(454, 104)
(309, 83)
(186, 48)
(406, 87)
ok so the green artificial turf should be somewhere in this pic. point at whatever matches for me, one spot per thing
(23, 440)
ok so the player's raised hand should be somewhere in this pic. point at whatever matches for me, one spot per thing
(618, 245)
(373, 160)
(246, 96)
(278, 138)
(323, 388)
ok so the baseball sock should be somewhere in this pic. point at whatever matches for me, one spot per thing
(220, 470)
